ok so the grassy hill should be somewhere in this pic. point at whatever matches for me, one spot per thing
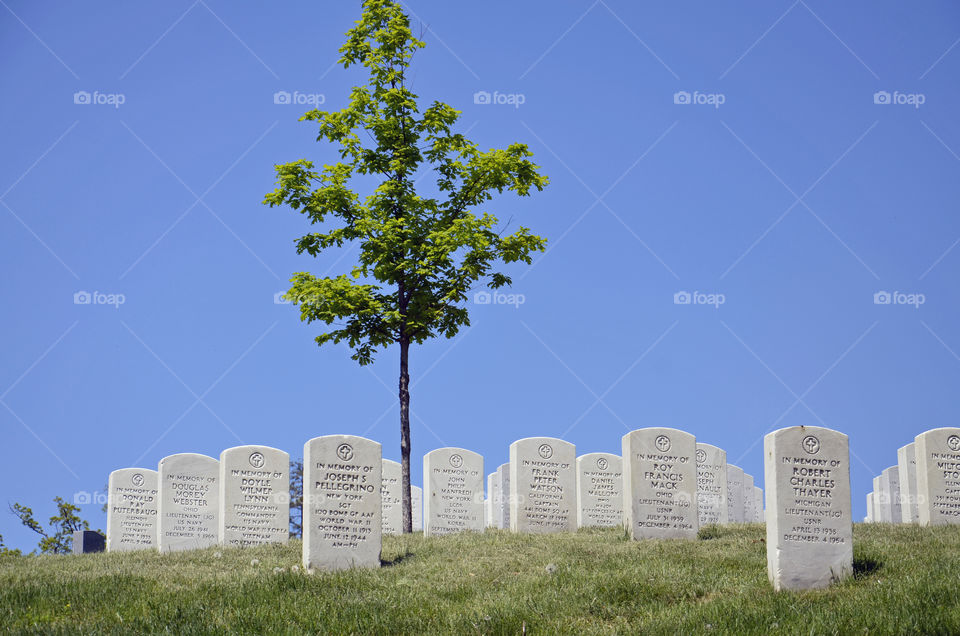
(591, 582)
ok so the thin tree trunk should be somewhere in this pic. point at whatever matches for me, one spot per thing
(405, 499)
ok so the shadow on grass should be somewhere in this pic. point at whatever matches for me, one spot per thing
(397, 560)
(864, 566)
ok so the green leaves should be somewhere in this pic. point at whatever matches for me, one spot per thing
(419, 257)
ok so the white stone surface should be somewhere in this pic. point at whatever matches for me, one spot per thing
(660, 484)
(749, 503)
(454, 481)
(254, 496)
(758, 504)
(341, 503)
(132, 501)
(543, 496)
(735, 494)
(881, 500)
(809, 523)
(938, 476)
(890, 481)
(416, 505)
(492, 501)
(503, 507)
(869, 518)
(189, 496)
(599, 490)
(711, 484)
(391, 497)
(907, 463)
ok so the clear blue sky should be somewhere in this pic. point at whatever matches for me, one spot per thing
(797, 198)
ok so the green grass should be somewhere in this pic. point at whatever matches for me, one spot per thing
(907, 581)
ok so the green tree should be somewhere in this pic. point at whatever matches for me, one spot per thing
(59, 540)
(296, 499)
(419, 256)
(5, 551)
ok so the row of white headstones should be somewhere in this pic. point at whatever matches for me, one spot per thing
(667, 488)
(903, 494)
(194, 501)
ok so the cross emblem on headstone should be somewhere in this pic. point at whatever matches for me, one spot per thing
(345, 452)
(663, 443)
(456, 461)
(137, 479)
(811, 444)
(602, 463)
(546, 451)
(256, 460)
(953, 442)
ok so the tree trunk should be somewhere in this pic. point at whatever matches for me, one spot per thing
(405, 500)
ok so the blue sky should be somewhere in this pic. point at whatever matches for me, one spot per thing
(782, 188)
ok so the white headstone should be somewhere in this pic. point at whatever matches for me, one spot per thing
(660, 484)
(132, 499)
(809, 523)
(907, 463)
(254, 496)
(938, 476)
(391, 494)
(493, 498)
(749, 504)
(543, 496)
(869, 518)
(734, 494)
(189, 496)
(503, 507)
(711, 484)
(758, 504)
(890, 479)
(416, 504)
(599, 490)
(341, 503)
(881, 500)
(454, 481)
